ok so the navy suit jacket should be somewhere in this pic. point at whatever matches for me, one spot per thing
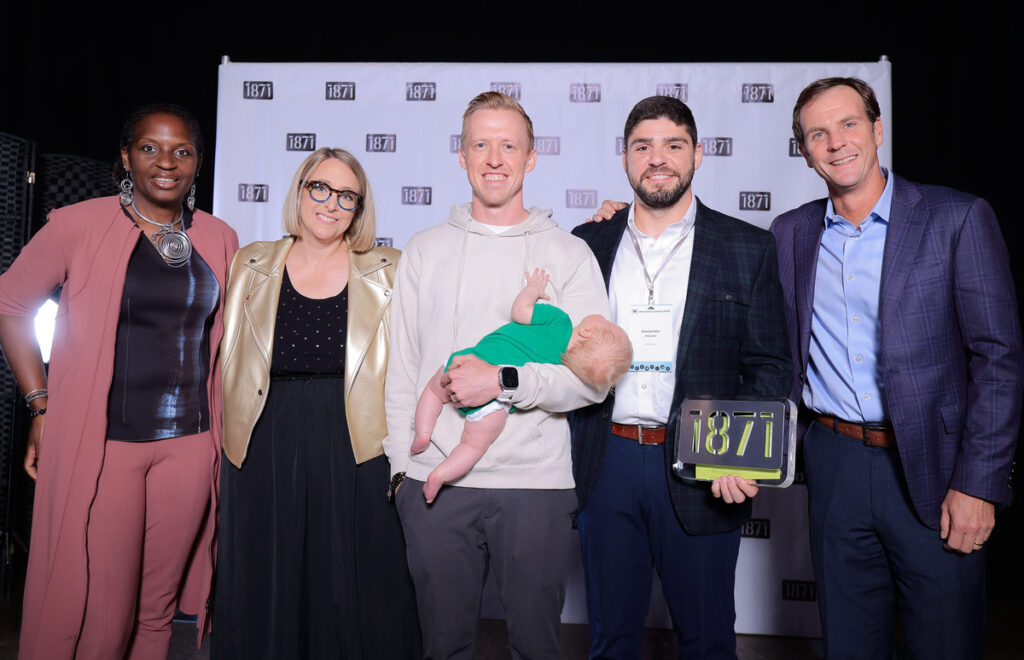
(950, 363)
(732, 343)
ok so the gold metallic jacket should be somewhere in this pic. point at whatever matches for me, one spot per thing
(250, 312)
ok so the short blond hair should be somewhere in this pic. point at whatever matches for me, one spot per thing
(496, 101)
(603, 358)
(363, 230)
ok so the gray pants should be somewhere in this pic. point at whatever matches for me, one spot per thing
(523, 535)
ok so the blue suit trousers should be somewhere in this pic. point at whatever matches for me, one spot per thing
(874, 560)
(629, 526)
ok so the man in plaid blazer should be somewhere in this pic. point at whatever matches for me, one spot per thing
(716, 327)
(904, 328)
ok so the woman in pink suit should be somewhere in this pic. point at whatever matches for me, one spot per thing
(125, 436)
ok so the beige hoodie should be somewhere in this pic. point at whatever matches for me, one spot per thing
(455, 283)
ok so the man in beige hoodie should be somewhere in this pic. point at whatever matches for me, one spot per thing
(511, 514)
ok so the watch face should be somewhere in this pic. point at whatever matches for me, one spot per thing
(509, 378)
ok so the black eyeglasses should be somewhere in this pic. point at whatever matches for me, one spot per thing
(320, 192)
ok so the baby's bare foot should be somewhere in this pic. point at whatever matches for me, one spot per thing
(432, 486)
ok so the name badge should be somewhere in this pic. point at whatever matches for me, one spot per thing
(650, 332)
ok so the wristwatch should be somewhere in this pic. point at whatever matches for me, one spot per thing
(508, 379)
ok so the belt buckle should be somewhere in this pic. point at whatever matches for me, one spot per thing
(640, 434)
(865, 431)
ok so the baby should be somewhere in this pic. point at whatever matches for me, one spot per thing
(597, 351)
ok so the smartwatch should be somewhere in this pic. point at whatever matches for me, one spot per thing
(508, 379)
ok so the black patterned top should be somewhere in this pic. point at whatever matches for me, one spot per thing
(309, 338)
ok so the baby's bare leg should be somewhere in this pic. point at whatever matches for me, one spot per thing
(476, 438)
(427, 409)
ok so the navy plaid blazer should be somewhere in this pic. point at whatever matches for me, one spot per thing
(732, 343)
(950, 363)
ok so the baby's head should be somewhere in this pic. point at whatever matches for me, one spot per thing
(599, 352)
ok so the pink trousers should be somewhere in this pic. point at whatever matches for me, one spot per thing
(150, 502)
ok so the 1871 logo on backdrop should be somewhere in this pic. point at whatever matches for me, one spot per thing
(416, 195)
(799, 590)
(758, 93)
(383, 241)
(676, 90)
(584, 92)
(620, 145)
(340, 91)
(756, 528)
(755, 201)
(258, 89)
(381, 142)
(253, 192)
(794, 148)
(454, 142)
(513, 89)
(300, 142)
(548, 145)
(716, 146)
(420, 91)
(581, 199)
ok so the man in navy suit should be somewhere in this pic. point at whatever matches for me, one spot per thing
(705, 288)
(907, 348)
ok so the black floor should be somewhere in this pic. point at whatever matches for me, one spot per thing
(1005, 617)
(492, 644)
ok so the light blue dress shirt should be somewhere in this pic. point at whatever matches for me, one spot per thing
(843, 372)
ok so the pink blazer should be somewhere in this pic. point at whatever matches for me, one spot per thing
(86, 248)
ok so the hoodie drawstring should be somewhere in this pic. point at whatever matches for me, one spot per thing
(458, 288)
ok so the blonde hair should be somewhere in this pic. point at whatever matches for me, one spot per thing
(496, 101)
(603, 358)
(363, 230)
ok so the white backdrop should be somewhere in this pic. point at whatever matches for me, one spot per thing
(402, 121)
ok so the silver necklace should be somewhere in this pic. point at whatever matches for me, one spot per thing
(172, 244)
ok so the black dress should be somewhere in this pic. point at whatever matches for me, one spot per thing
(311, 557)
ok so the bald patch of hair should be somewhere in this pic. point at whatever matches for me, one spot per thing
(603, 358)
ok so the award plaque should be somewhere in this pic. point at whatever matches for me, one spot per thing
(754, 439)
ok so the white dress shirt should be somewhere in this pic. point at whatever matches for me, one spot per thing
(646, 397)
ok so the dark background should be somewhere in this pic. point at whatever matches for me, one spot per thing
(68, 77)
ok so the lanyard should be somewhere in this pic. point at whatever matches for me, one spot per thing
(647, 276)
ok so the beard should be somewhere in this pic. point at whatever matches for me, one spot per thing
(663, 198)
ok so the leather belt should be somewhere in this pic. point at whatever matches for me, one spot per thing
(645, 435)
(872, 435)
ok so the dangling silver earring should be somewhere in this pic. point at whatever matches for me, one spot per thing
(191, 201)
(126, 190)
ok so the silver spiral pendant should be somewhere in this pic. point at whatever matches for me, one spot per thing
(173, 245)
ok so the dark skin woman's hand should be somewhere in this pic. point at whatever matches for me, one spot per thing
(35, 434)
(18, 337)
